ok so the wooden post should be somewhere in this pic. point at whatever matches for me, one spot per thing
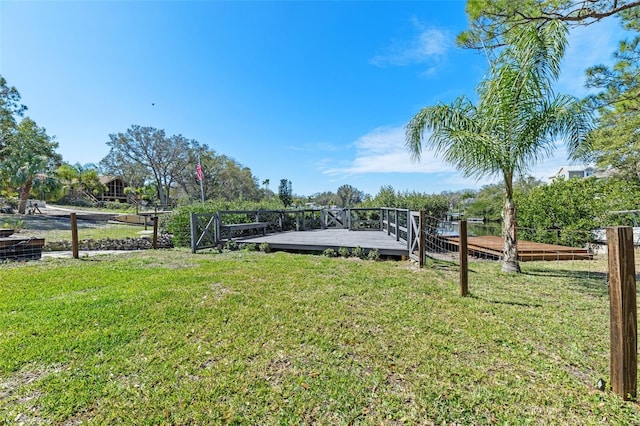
(74, 235)
(217, 224)
(154, 244)
(194, 231)
(397, 226)
(464, 258)
(623, 311)
(422, 237)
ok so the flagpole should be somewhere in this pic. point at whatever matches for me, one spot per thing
(201, 179)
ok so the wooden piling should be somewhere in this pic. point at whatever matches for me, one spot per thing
(623, 312)
(464, 259)
(154, 243)
(422, 238)
(74, 235)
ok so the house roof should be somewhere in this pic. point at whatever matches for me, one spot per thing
(106, 179)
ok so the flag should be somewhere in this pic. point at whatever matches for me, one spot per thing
(199, 172)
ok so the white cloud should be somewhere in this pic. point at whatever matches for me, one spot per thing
(427, 46)
(383, 151)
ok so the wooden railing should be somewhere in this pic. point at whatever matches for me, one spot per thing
(207, 230)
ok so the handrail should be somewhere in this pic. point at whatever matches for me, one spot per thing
(395, 221)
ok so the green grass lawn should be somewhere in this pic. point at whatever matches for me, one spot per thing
(87, 232)
(167, 337)
(59, 229)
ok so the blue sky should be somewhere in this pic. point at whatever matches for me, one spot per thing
(317, 92)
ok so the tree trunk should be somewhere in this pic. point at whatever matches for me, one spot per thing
(24, 196)
(510, 238)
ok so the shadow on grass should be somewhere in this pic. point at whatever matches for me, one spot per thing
(505, 302)
(591, 282)
(564, 273)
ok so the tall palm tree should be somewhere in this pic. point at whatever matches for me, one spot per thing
(515, 123)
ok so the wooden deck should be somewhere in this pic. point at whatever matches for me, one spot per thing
(491, 247)
(527, 251)
(322, 239)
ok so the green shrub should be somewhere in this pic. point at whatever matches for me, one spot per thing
(359, 252)
(231, 245)
(265, 248)
(15, 224)
(249, 247)
(178, 223)
(344, 252)
(116, 205)
(77, 202)
(329, 253)
(373, 254)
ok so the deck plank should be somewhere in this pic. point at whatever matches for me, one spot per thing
(321, 239)
(527, 250)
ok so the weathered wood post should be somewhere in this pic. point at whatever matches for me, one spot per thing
(464, 259)
(74, 235)
(397, 225)
(623, 311)
(422, 237)
(154, 242)
(217, 222)
(194, 231)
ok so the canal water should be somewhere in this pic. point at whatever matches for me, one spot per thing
(474, 229)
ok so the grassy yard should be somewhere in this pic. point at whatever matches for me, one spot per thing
(167, 337)
(90, 232)
(59, 229)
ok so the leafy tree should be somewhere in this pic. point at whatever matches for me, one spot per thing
(615, 143)
(29, 151)
(326, 198)
(134, 174)
(236, 182)
(567, 211)
(514, 124)
(223, 177)
(489, 201)
(285, 192)
(81, 178)
(48, 188)
(161, 157)
(349, 196)
(435, 206)
(10, 107)
(386, 197)
(492, 21)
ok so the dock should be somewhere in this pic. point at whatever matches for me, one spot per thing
(390, 231)
(492, 248)
(322, 239)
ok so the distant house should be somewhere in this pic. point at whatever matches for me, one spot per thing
(115, 189)
(571, 172)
